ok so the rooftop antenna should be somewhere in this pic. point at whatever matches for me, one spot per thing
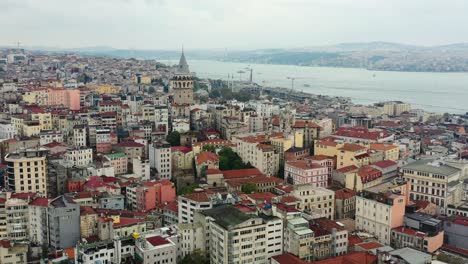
(18, 43)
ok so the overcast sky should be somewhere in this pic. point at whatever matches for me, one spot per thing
(167, 24)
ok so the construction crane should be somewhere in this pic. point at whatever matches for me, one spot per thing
(296, 78)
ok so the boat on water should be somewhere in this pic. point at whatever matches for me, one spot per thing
(306, 85)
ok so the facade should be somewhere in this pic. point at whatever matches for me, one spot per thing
(434, 182)
(11, 253)
(189, 204)
(155, 249)
(260, 153)
(299, 238)
(27, 170)
(79, 156)
(64, 223)
(17, 217)
(160, 159)
(38, 226)
(236, 237)
(315, 200)
(302, 172)
(378, 214)
(345, 203)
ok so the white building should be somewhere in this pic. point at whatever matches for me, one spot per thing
(190, 203)
(17, 220)
(8, 131)
(49, 137)
(79, 156)
(156, 250)
(181, 125)
(160, 159)
(79, 136)
(141, 168)
(38, 232)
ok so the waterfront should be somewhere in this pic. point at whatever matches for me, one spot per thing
(437, 92)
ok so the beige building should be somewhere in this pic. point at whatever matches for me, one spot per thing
(317, 201)
(390, 151)
(379, 213)
(27, 170)
(260, 153)
(17, 216)
(395, 108)
(299, 238)
(13, 253)
(435, 182)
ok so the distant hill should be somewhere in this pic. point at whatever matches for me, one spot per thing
(371, 55)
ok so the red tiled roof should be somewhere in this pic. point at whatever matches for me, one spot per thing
(288, 199)
(286, 208)
(242, 173)
(347, 169)
(369, 245)
(244, 208)
(125, 221)
(351, 258)
(157, 241)
(201, 197)
(288, 258)
(40, 201)
(361, 133)
(369, 173)
(205, 156)
(182, 149)
(215, 141)
(87, 210)
(353, 240)
(5, 244)
(455, 249)
(352, 147)
(23, 196)
(54, 144)
(213, 171)
(299, 124)
(408, 231)
(344, 193)
(382, 146)
(328, 224)
(254, 179)
(265, 196)
(384, 163)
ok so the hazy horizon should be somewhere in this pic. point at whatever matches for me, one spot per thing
(241, 24)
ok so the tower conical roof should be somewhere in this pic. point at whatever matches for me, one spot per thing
(183, 65)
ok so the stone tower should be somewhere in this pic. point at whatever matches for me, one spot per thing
(182, 83)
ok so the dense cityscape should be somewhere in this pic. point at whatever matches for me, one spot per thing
(108, 160)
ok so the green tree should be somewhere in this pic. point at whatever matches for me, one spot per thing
(229, 160)
(249, 188)
(174, 138)
(196, 257)
(210, 148)
(188, 189)
(151, 90)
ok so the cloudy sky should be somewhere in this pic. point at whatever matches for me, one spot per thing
(166, 24)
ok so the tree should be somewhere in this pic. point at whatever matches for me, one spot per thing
(188, 189)
(151, 90)
(196, 257)
(249, 188)
(174, 138)
(210, 148)
(229, 160)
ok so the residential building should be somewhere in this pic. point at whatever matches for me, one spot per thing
(190, 203)
(434, 182)
(302, 172)
(160, 159)
(315, 200)
(154, 249)
(64, 223)
(38, 225)
(378, 213)
(299, 238)
(345, 203)
(27, 170)
(17, 217)
(13, 253)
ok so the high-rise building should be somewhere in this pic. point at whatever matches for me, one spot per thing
(64, 223)
(160, 159)
(27, 170)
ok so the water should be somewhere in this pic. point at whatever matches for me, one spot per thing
(436, 92)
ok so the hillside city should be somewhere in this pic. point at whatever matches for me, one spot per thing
(108, 160)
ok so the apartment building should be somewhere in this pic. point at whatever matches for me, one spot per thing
(236, 237)
(156, 249)
(379, 213)
(390, 151)
(260, 153)
(79, 136)
(345, 203)
(303, 172)
(299, 238)
(17, 216)
(434, 182)
(190, 203)
(79, 156)
(64, 223)
(119, 161)
(160, 159)
(38, 226)
(27, 170)
(315, 200)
